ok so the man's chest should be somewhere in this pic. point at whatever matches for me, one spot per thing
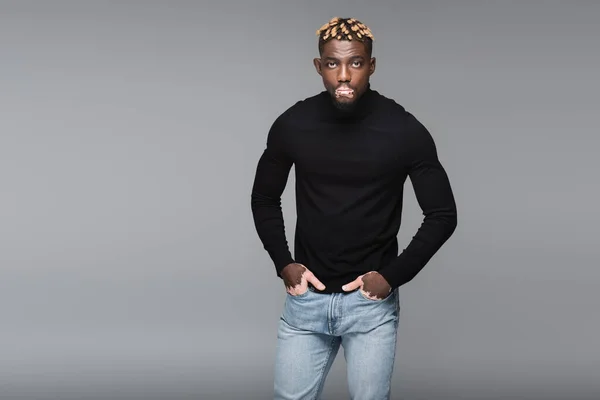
(353, 155)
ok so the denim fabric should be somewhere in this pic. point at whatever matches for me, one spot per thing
(311, 330)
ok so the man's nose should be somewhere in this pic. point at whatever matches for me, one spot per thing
(343, 75)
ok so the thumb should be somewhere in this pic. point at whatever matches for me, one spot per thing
(355, 284)
(310, 277)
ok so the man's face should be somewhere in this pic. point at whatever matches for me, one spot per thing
(345, 67)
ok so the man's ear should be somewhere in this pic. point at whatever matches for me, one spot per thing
(372, 66)
(317, 63)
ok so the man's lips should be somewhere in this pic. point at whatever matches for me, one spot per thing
(344, 91)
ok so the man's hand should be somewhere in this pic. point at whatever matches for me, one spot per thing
(296, 277)
(373, 285)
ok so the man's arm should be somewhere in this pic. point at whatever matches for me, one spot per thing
(269, 183)
(435, 197)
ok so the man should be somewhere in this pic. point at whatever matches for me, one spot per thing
(352, 149)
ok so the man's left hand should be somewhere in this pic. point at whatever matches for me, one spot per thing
(373, 284)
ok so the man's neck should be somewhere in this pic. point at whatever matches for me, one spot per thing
(359, 110)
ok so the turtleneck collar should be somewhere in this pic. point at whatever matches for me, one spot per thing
(363, 107)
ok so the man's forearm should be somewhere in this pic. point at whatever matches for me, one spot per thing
(436, 229)
(268, 220)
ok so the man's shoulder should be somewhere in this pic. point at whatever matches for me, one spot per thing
(403, 122)
(299, 115)
(304, 108)
(390, 107)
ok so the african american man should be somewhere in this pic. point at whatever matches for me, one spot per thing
(352, 149)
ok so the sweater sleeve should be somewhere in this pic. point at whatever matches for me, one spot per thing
(435, 198)
(270, 180)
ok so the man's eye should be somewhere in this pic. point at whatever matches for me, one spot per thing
(357, 63)
(331, 64)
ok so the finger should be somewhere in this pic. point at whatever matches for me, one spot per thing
(355, 284)
(299, 288)
(310, 277)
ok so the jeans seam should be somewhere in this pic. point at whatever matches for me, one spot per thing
(396, 326)
(390, 377)
(321, 380)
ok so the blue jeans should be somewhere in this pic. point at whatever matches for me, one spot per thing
(311, 329)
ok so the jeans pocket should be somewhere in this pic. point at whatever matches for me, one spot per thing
(301, 295)
(363, 296)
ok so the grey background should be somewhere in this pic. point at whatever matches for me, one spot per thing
(129, 134)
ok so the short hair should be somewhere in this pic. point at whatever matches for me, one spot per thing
(345, 29)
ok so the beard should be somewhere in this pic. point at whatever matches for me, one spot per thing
(344, 105)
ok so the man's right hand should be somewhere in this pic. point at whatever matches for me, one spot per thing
(296, 277)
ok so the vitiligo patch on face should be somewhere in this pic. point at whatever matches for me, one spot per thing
(344, 92)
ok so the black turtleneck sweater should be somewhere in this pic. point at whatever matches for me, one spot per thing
(350, 173)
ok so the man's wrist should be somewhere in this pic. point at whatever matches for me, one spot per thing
(386, 279)
(280, 265)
